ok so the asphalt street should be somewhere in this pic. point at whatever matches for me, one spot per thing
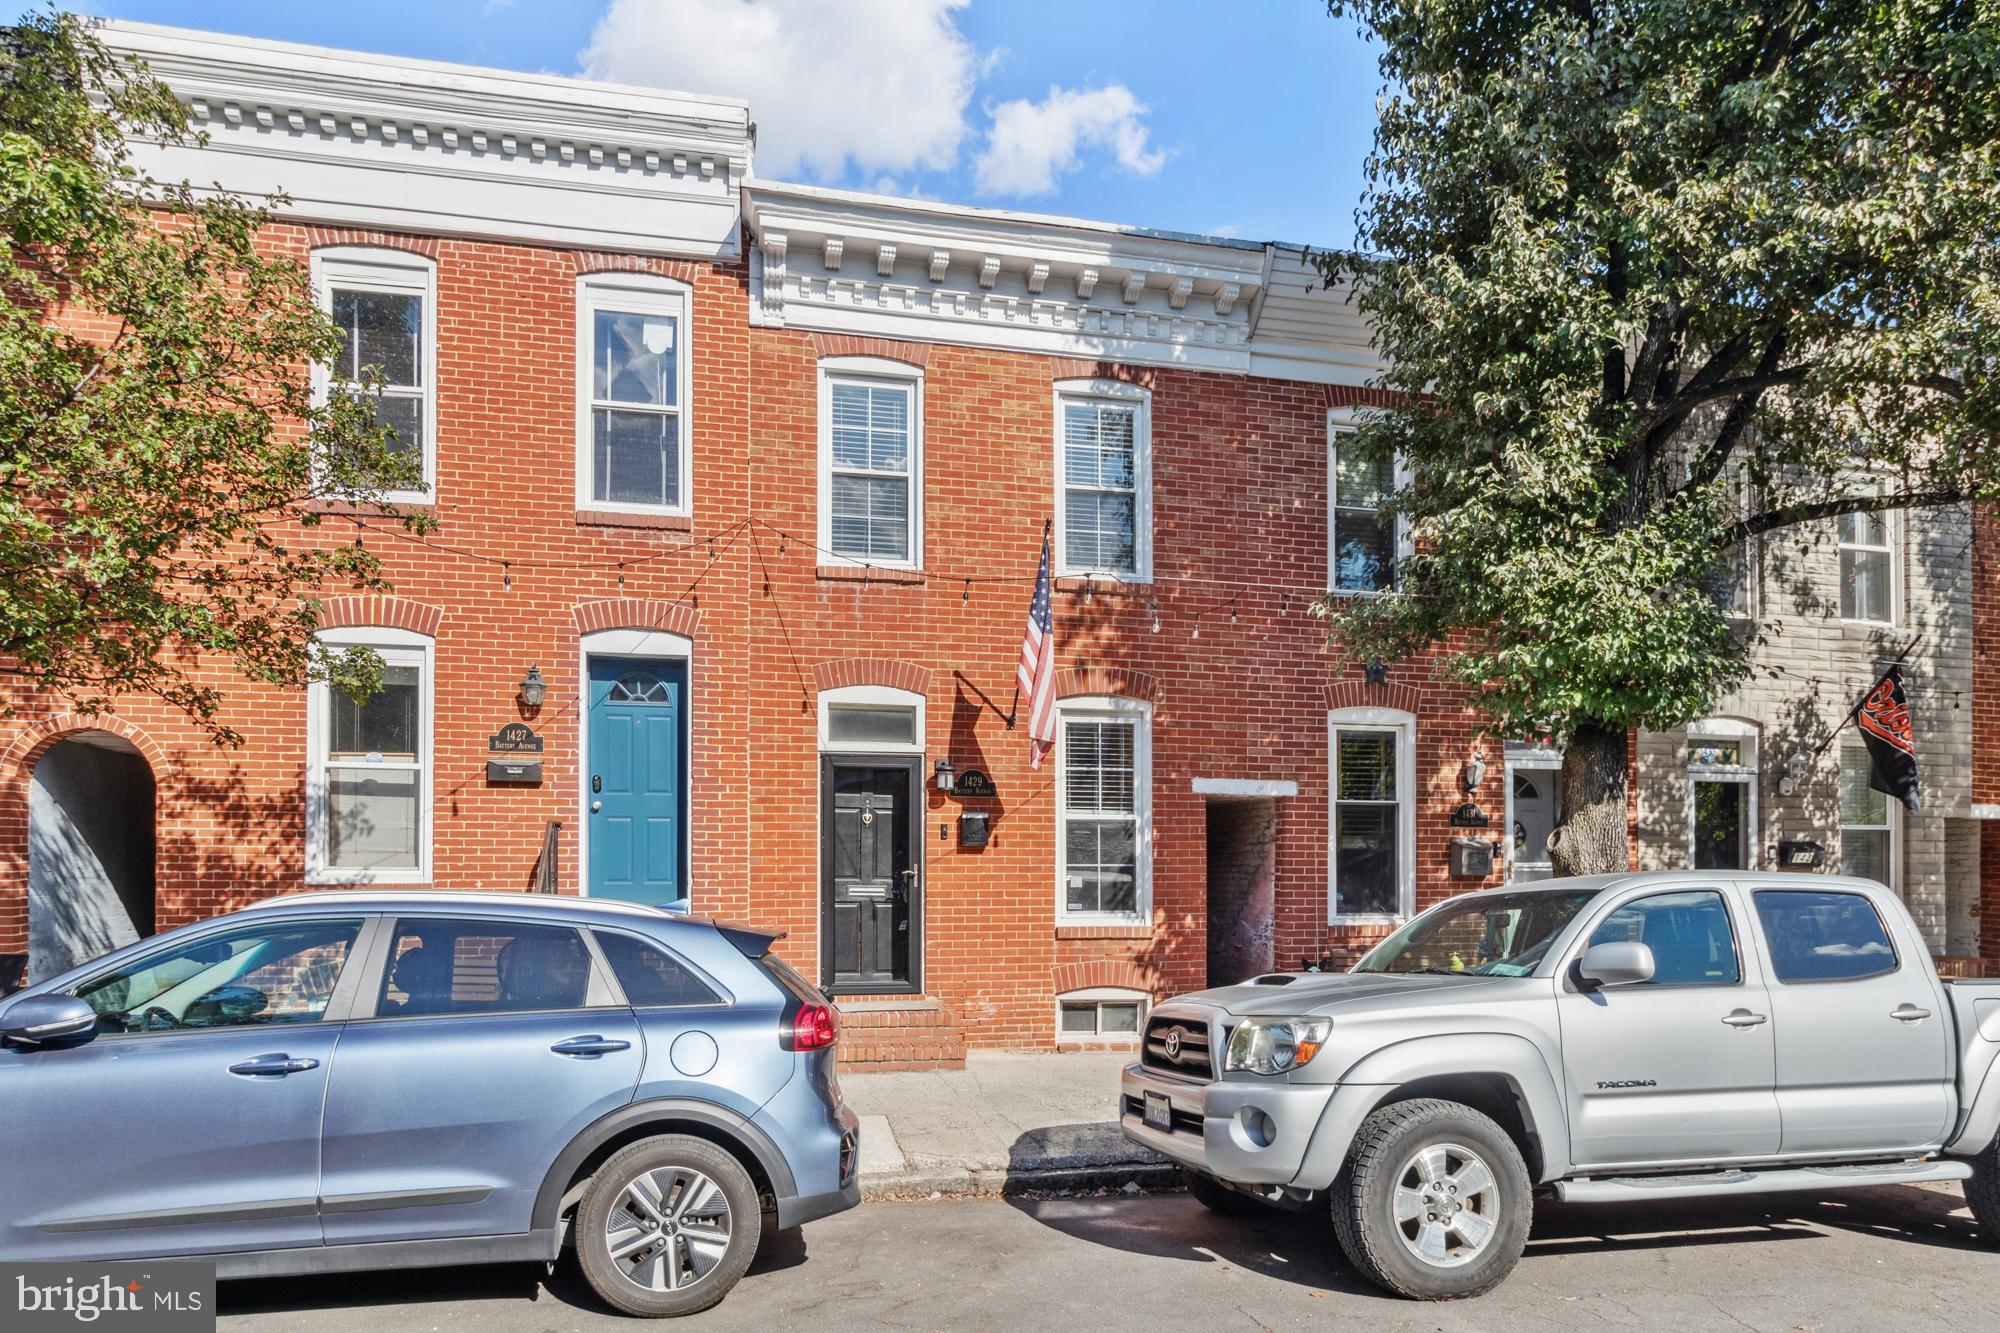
(1898, 1258)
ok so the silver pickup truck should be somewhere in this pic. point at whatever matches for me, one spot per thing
(1606, 1039)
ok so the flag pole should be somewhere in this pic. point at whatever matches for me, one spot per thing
(1048, 529)
(1908, 648)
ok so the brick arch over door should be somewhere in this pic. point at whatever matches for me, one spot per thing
(1119, 681)
(635, 613)
(1115, 973)
(845, 671)
(380, 611)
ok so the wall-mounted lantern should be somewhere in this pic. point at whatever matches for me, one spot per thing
(945, 773)
(533, 689)
(1473, 773)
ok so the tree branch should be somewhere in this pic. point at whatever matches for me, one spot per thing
(1807, 511)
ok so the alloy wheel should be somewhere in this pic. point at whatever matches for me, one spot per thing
(669, 1229)
(1447, 1205)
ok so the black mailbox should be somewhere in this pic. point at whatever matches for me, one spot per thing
(515, 772)
(974, 829)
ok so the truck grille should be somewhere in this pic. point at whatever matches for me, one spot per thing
(1178, 1046)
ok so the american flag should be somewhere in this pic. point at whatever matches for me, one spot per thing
(1037, 673)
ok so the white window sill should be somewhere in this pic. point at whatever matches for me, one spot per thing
(662, 511)
(834, 560)
(334, 877)
(1368, 919)
(1103, 919)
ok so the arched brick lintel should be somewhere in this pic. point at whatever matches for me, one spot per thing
(847, 344)
(378, 610)
(320, 238)
(591, 261)
(635, 613)
(844, 671)
(1119, 973)
(1083, 368)
(17, 770)
(1358, 395)
(1117, 681)
(1360, 694)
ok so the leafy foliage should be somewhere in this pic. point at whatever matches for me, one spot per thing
(1654, 277)
(160, 448)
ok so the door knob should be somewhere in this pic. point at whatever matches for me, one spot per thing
(595, 806)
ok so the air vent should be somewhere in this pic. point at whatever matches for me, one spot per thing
(1274, 979)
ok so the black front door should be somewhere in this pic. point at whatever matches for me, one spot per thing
(872, 923)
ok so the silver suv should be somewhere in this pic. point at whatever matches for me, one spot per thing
(1605, 1039)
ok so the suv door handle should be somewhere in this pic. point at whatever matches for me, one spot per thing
(1743, 1018)
(1909, 1013)
(280, 1064)
(589, 1048)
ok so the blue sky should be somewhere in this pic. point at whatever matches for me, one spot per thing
(1248, 118)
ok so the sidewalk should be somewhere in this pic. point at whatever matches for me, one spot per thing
(1007, 1123)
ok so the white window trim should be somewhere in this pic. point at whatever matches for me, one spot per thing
(877, 696)
(1142, 787)
(1100, 995)
(1893, 530)
(1751, 556)
(1101, 391)
(646, 294)
(1746, 773)
(1344, 421)
(652, 645)
(872, 370)
(1534, 759)
(395, 644)
(1405, 725)
(1893, 811)
(377, 269)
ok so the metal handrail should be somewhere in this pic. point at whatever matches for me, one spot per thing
(547, 879)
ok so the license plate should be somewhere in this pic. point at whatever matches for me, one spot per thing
(1159, 1112)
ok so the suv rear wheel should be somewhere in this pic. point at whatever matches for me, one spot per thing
(1433, 1202)
(667, 1226)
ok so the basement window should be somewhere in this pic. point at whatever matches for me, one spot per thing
(1104, 1013)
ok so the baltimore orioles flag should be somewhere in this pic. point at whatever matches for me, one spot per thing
(1884, 719)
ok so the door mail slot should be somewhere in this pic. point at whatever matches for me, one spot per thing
(522, 772)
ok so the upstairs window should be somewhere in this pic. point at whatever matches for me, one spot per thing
(1868, 567)
(1103, 480)
(632, 360)
(384, 304)
(871, 492)
(1363, 540)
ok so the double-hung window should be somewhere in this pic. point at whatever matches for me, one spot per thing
(632, 388)
(1373, 814)
(384, 302)
(1868, 567)
(369, 778)
(1363, 539)
(1104, 509)
(871, 474)
(1104, 823)
(1867, 821)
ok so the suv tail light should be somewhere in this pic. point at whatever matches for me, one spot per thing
(814, 1027)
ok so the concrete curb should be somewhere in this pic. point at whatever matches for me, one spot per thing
(994, 1182)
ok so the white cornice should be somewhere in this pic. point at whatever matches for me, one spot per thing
(425, 146)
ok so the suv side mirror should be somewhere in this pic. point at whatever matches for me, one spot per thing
(42, 1020)
(1620, 963)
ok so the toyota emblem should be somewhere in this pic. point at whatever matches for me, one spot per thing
(1173, 1043)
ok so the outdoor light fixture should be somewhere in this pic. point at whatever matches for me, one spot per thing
(944, 775)
(1474, 772)
(533, 688)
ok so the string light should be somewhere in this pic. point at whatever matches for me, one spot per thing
(965, 598)
(506, 575)
(1156, 616)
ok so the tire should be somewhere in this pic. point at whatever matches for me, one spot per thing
(1402, 1149)
(1219, 1198)
(638, 1250)
(1982, 1192)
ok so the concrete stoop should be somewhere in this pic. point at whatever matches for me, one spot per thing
(879, 1036)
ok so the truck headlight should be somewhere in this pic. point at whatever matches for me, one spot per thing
(1276, 1045)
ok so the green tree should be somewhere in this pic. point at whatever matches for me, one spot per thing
(1655, 277)
(160, 449)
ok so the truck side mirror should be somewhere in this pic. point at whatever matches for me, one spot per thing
(1619, 963)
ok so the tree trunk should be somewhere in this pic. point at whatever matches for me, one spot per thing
(1591, 839)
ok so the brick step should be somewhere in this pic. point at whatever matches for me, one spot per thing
(886, 1035)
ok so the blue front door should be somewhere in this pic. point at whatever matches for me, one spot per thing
(637, 780)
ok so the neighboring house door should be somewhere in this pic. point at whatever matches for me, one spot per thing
(636, 776)
(1680, 1068)
(872, 881)
(491, 1044)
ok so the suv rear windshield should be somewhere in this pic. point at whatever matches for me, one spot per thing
(1492, 935)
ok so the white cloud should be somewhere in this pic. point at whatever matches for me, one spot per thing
(1031, 144)
(878, 84)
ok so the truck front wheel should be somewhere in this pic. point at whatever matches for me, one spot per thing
(1433, 1202)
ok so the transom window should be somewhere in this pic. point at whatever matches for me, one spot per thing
(1103, 499)
(1867, 830)
(1361, 536)
(1867, 567)
(871, 490)
(632, 385)
(1104, 857)
(369, 783)
(384, 304)
(639, 687)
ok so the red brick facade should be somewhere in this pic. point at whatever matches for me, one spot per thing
(1219, 644)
